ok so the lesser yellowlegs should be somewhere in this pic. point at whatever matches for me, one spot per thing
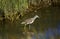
(29, 21)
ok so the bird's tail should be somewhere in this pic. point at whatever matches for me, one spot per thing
(23, 23)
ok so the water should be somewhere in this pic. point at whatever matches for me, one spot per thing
(47, 24)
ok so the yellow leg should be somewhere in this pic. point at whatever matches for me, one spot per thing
(25, 32)
(25, 28)
(29, 27)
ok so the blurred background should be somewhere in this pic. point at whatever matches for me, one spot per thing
(13, 12)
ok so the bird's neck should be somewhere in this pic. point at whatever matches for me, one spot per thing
(34, 17)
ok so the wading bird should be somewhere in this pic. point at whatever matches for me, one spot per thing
(29, 21)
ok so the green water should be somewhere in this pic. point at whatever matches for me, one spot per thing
(48, 18)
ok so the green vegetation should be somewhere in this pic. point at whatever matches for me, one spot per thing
(12, 7)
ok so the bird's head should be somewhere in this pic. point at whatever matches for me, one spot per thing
(37, 16)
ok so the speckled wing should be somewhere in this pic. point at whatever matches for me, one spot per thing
(28, 21)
